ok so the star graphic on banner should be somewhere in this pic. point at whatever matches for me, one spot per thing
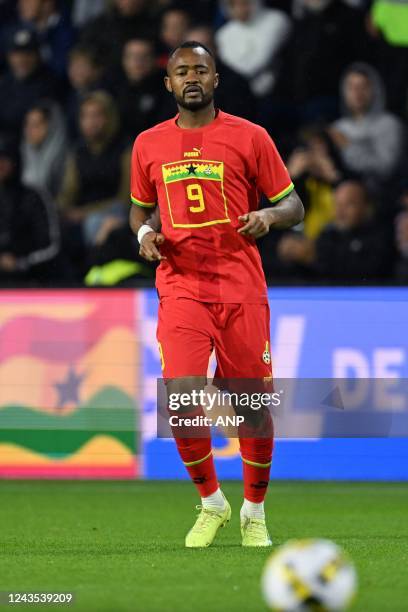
(68, 390)
(191, 169)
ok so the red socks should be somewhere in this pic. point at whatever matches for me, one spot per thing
(256, 455)
(256, 459)
(197, 456)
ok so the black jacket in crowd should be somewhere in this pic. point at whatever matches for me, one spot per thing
(28, 230)
(17, 96)
(143, 104)
(361, 255)
(109, 32)
(322, 45)
(99, 173)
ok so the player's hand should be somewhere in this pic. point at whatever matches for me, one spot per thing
(340, 140)
(298, 163)
(150, 246)
(256, 224)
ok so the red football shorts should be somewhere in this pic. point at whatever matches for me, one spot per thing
(189, 330)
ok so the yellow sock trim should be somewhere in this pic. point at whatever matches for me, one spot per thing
(261, 465)
(198, 460)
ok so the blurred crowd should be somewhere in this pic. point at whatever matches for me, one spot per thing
(80, 79)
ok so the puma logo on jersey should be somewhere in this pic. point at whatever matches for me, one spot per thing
(194, 153)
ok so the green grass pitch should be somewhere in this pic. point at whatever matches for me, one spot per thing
(119, 545)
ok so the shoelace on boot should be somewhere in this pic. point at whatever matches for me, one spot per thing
(206, 516)
(257, 526)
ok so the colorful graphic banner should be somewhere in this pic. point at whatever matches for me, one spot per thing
(330, 333)
(79, 369)
(68, 384)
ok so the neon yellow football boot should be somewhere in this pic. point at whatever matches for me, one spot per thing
(205, 528)
(254, 532)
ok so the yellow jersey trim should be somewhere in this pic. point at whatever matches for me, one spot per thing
(140, 203)
(282, 193)
(206, 224)
(161, 356)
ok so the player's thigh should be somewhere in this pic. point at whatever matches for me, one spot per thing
(243, 346)
(184, 337)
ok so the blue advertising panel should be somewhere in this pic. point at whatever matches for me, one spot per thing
(336, 333)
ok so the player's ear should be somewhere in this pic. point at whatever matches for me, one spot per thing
(216, 80)
(167, 84)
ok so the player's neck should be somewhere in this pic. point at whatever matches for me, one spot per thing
(188, 120)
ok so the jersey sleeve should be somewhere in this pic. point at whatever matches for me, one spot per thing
(272, 175)
(143, 192)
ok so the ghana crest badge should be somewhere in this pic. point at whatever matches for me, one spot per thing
(266, 356)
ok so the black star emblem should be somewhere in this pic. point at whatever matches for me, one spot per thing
(68, 390)
(191, 169)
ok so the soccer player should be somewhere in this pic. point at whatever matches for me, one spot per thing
(205, 170)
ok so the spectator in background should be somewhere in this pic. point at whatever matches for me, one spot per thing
(95, 189)
(369, 139)
(351, 249)
(251, 40)
(109, 32)
(327, 36)
(233, 94)
(140, 92)
(85, 73)
(115, 259)
(316, 170)
(53, 28)
(174, 25)
(29, 235)
(27, 81)
(202, 11)
(388, 24)
(84, 11)
(43, 148)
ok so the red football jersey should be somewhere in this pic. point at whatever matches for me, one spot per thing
(203, 179)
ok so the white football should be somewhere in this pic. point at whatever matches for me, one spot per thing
(306, 575)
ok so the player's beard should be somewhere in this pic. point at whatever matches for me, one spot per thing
(195, 105)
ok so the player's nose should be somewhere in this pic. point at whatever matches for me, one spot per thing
(192, 77)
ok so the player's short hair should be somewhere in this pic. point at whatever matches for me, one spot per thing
(192, 44)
